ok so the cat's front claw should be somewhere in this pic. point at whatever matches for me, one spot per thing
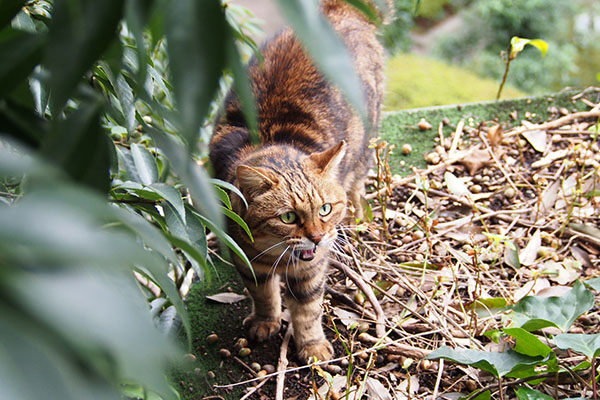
(260, 329)
(322, 350)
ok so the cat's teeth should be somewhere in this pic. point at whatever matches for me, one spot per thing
(307, 255)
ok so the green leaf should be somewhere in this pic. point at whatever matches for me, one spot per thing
(172, 196)
(230, 187)
(79, 32)
(243, 89)
(497, 364)
(137, 13)
(586, 229)
(20, 52)
(8, 9)
(486, 395)
(586, 344)
(80, 147)
(238, 220)
(366, 9)
(517, 45)
(222, 195)
(191, 174)
(533, 313)
(511, 254)
(197, 36)
(593, 283)
(525, 393)
(145, 164)
(326, 48)
(527, 343)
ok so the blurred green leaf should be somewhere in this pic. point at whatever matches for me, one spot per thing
(326, 48)
(172, 196)
(8, 9)
(534, 313)
(20, 52)
(145, 164)
(197, 37)
(223, 196)
(366, 9)
(79, 146)
(79, 32)
(586, 344)
(593, 283)
(137, 13)
(497, 364)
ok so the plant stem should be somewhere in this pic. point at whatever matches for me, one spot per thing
(594, 384)
(508, 60)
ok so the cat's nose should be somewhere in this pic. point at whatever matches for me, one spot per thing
(315, 238)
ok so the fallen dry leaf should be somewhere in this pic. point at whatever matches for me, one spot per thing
(226, 298)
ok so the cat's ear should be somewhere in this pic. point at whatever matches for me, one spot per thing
(329, 160)
(255, 180)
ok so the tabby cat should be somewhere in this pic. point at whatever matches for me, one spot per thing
(312, 158)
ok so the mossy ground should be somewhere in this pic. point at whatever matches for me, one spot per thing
(400, 127)
(415, 81)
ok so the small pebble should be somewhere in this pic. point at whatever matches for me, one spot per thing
(198, 371)
(509, 192)
(476, 189)
(359, 298)
(210, 374)
(334, 369)
(406, 148)
(261, 373)
(363, 327)
(189, 357)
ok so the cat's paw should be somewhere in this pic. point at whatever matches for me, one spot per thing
(260, 329)
(322, 350)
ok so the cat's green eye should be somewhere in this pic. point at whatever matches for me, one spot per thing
(325, 209)
(288, 218)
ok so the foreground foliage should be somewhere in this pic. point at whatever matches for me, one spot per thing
(105, 109)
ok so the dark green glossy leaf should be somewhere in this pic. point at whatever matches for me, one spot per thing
(222, 195)
(238, 220)
(486, 395)
(145, 164)
(527, 343)
(8, 9)
(197, 34)
(586, 344)
(79, 32)
(497, 364)
(533, 313)
(326, 48)
(79, 146)
(525, 393)
(230, 187)
(20, 52)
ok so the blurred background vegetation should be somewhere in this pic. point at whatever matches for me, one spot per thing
(471, 34)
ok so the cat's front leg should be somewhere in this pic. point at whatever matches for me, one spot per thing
(304, 300)
(265, 320)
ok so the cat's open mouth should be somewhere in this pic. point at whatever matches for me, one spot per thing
(306, 255)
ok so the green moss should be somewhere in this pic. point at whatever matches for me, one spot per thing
(415, 81)
(210, 317)
(400, 127)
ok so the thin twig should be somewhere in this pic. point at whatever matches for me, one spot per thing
(282, 364)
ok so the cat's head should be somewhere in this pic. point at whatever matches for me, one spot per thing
(295, 201)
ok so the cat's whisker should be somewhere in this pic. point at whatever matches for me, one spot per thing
(292, 258)
(267, 250)
(276, 263)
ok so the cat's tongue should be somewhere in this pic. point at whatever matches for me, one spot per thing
(307, 255)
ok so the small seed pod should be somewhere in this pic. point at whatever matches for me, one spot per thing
(224, 353)
(269, 368)
(334, 369)
(189, 357)
(424, 125)
(359, 298)
(244, 352)
(210, 374)
(255, 366)
(241, 343)
(363, 327)
(406, 149)
(212, 338)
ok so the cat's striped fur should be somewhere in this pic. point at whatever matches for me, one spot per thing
(312, 159)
